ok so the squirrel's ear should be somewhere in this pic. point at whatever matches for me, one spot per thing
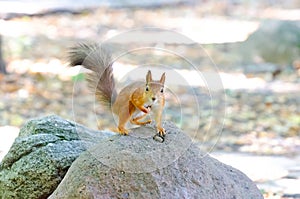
(149, 77)
(163, 78)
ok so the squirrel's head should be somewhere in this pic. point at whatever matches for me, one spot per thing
(154, 89)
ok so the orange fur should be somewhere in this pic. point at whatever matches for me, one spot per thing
(133, 100)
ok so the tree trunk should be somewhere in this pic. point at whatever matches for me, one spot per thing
(2, 62)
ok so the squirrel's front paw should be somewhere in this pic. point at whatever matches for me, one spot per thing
(160, 136)
(147, 109)
(161, 131)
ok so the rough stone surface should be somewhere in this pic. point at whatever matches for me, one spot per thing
(41, 155)
(136, 166)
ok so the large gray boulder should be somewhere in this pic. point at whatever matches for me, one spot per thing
(136, 166)
(41, 155)
(113, 166)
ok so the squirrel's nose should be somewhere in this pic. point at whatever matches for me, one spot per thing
(153, 98)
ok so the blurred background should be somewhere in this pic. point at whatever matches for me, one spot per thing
(254, 44)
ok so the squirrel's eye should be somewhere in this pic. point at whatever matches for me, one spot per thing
(147, 88)
(162, 90)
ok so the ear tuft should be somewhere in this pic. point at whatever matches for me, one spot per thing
(163, 78)
(148, 77)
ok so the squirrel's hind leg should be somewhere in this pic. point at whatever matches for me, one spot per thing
(122, 130)
(123, 119)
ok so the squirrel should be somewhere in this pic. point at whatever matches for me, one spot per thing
(134, 101)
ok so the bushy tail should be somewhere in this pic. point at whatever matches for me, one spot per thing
(97, 59)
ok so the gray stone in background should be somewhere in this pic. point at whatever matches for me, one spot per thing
(276, 41)
(136, 166)
(41, 155)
